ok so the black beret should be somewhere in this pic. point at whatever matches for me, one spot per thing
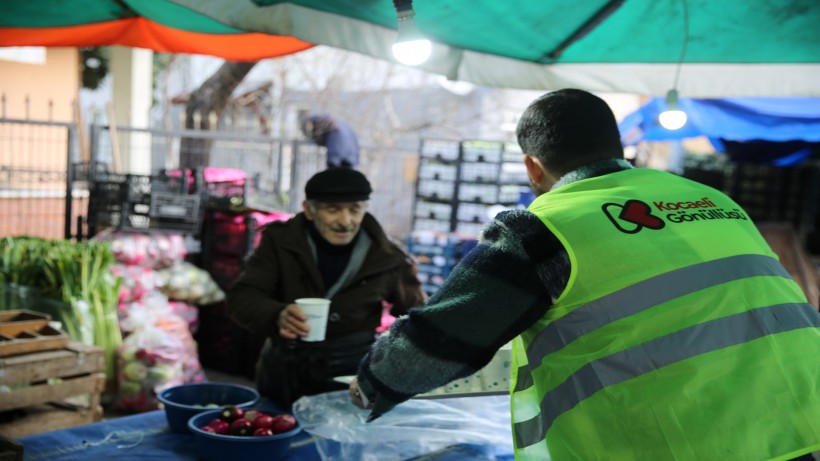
(338, 185)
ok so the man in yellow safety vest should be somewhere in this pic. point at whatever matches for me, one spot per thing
(649, 318)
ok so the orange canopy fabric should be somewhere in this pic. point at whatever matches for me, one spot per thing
(140, 32)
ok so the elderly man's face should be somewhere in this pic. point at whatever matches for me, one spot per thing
(338, 223)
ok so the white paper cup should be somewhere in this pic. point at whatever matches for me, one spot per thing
(316, 310)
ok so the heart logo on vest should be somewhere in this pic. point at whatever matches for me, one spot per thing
(632, 216)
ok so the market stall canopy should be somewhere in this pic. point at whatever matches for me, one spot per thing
(779, 130)
(728, 47)
(157, 25)
(736, 119)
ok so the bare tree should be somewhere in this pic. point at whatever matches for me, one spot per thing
(204, 107)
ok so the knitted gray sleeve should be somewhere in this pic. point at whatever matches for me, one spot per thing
(500, 288)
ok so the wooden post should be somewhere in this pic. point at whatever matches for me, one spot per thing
(116, 160)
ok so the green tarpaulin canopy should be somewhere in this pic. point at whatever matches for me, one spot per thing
(731, 47)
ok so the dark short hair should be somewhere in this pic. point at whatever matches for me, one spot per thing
(336, 185)
(567, 129)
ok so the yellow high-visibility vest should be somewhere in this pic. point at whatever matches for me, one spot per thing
(678, 337)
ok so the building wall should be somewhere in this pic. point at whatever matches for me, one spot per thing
(51, 88)
(33, 157)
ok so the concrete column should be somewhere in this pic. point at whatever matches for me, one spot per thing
(132, 72)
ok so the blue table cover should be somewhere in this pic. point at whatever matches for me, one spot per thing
(147, 436)
(141, 436)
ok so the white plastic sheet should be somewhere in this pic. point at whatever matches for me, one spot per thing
(414, 428)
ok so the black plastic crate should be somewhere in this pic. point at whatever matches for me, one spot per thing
(137, 217)
(241, 195)
(144, 203)
(227, 195)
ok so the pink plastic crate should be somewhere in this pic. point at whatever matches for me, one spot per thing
(229, 230)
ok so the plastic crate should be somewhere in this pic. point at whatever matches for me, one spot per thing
(512, 153)
(431, 225)
(469, 229)
(241, 196)
(473, 213)
(437, 171)
(479, 172)
(479, 193)
(141, 202)
(440, 150)
(511, 194)
(772, 193)
(239, 234)
(168, 213)
(482, 151)
(225, 269)
(513, 173)
(227, 195)
(436, 190)
(431, 210)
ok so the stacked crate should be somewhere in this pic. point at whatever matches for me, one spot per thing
(460, 185)
(232, 229)
(437, 254)
(144, 203)
(434, 209)
(47, 382)
(772, 193)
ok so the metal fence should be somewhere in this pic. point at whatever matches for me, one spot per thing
(40, 194)
(35, 159)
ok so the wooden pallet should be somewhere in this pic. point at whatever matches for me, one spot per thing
(23, 331)
(51, 390)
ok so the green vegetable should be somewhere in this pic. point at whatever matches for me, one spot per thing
(76, 273)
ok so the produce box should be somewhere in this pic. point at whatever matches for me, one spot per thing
(24, 331)
(51, 389)
(16, 321)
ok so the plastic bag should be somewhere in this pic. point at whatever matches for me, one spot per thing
(414, 428)
(136, 281)
(151, 250)
(150, 360)
(188, 283)
(159, 353)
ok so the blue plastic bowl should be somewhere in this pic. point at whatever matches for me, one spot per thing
(183, 402)
(217, 447)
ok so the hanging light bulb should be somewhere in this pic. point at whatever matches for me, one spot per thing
(410, 48)
(672, 118)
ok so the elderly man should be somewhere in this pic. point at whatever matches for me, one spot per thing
(334, 249)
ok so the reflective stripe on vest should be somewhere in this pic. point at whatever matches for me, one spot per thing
(635, 361)
(689, 342)
(639, 297)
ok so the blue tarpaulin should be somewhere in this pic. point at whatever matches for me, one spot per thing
(781, 131)
(734, 119)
